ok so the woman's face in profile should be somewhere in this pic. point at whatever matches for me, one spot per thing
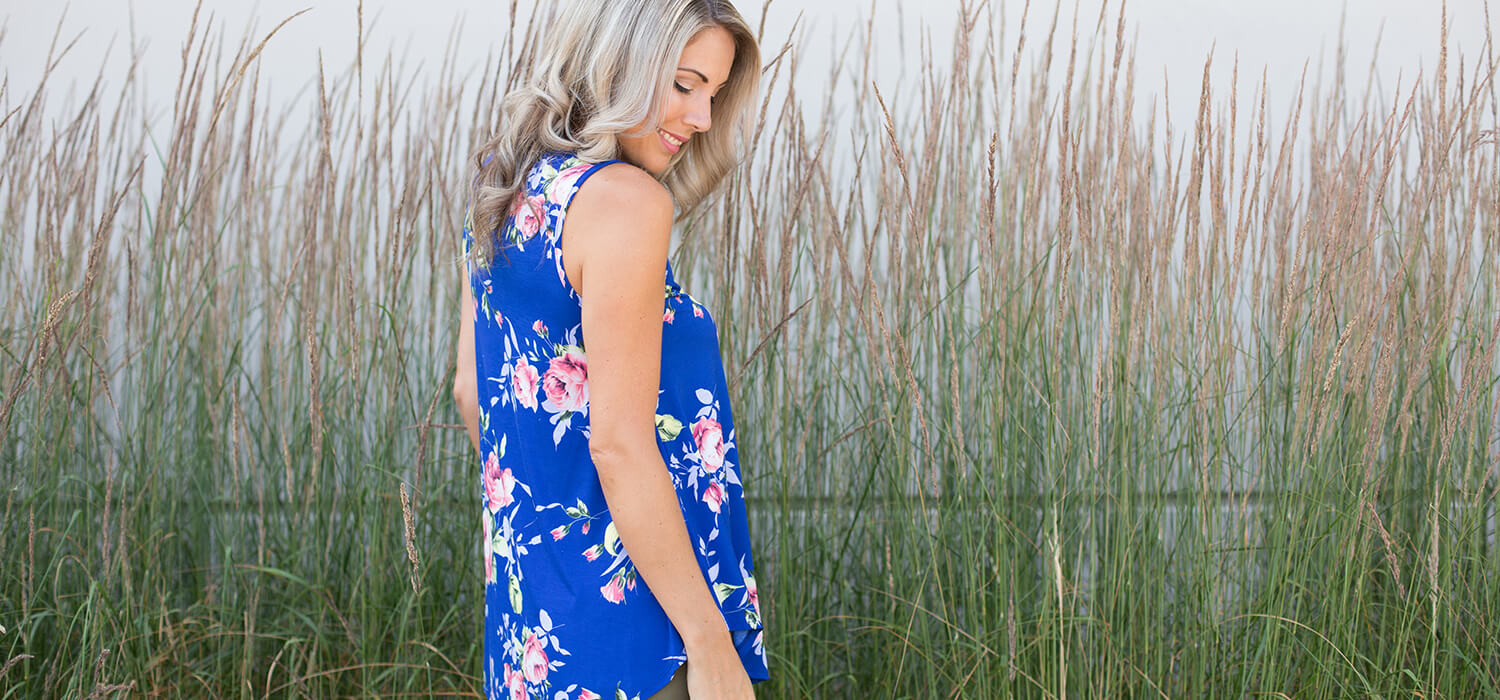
(686, 108)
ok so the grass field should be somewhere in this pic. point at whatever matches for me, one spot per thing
(1032, 403)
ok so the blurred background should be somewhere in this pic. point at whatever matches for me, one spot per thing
(1059, 369)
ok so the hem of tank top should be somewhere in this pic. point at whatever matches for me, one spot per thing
(662, 685)
(742, 646)
(657, 687)
(733, 628)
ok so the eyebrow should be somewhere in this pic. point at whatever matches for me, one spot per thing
(700, 75)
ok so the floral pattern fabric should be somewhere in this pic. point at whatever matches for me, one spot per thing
(567, 616)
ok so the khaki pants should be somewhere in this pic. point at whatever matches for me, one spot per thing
(676, 689)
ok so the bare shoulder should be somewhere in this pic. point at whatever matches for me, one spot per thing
(621, 216)
(621, 194)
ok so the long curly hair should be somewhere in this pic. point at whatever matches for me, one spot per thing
(605, 68)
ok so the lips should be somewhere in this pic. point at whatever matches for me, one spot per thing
(672, 141)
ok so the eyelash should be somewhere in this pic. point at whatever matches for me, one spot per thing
(685, 91)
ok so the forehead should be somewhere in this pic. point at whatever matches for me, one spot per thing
(710, 52)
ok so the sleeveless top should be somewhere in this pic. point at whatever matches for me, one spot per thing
(566, 615)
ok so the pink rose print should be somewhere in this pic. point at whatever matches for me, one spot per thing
(586, 694)
(566, 382)
(562, 186)
(750, 591)
(613, 591)
(528, 216)
(669, 315)
(559, 531)
(697, 312)
(713, 496)
(592, 553)
(710, 438)
(489, 567)
(499, 320)
(515, 682)
(524, 381)
(539, 327)
(534, 659)
(498, 483)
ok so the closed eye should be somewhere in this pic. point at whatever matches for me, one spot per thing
(712, 99)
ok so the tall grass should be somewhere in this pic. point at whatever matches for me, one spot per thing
(1032, 403)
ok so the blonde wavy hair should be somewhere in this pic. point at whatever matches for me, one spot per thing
(604, 68)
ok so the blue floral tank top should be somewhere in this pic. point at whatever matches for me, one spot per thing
(566, 615)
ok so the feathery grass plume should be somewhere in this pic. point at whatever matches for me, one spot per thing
(409, 535)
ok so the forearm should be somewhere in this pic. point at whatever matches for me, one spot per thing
(649, 520)
(465, 377)
(468, 407)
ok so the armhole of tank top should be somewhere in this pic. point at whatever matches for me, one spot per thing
(562, 218)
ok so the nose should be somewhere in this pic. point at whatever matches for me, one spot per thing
(698, 115)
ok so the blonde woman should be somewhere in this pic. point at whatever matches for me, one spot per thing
(617, 556)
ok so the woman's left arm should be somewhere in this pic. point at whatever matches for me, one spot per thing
(465, 380)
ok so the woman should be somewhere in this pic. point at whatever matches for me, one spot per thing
(617, 554)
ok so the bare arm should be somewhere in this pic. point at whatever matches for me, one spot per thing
(465, 382)
(619, 264)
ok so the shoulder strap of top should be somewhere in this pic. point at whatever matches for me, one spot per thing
(577, 183)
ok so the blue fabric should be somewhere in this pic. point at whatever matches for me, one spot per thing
(566, 615)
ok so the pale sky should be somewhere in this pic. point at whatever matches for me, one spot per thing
(1172, 37)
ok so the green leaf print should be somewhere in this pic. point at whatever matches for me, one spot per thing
(612, 540)
(722, 590)
(667, 427)
(515, 593)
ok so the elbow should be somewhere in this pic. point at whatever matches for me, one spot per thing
(618, 460)
(465, 393)
(605, 458)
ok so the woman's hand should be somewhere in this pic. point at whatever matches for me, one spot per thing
(714, 672)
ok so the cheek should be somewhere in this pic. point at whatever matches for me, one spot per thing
(676, 106)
